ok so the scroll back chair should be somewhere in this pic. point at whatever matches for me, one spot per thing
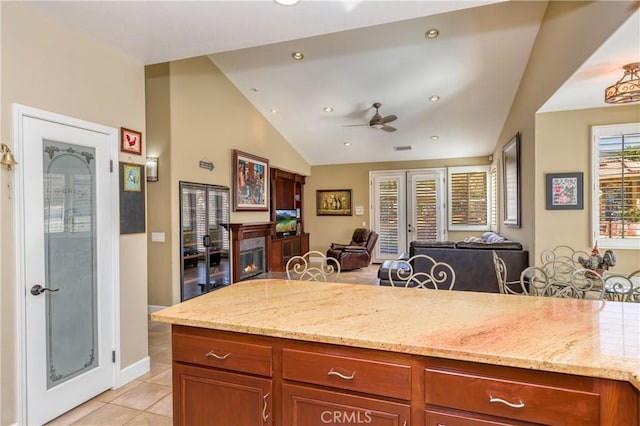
(422, 271)
(313, 266)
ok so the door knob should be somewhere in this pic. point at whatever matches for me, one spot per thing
(38, 289)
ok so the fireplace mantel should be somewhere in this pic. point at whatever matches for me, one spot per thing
(244, 231)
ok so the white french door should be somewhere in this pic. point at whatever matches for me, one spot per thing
(406, 206)
(67, 238)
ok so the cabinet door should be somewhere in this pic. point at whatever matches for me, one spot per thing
(439, 418)
(204, 396)
(314, 407)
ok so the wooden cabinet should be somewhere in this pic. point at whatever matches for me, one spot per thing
(282, 249)
(234, 378)
(219, 381)
(287, 194)
(205, 396)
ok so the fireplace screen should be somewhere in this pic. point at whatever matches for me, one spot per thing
(252, 260)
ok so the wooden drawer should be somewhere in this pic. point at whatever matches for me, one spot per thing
(306, 406)
(220, 353)
(445, 418)
(346, 372)
(531, 402)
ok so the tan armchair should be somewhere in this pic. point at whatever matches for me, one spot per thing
(356, 254)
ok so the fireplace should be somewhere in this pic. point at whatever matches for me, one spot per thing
(251, 246)
(252, 257)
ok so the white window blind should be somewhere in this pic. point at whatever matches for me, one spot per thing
(468, 198)
(426, 226)
(617, 185)
(493, 179)
(388, 202)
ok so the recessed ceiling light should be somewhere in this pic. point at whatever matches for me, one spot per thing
(328, 109)
(287, 2)
(347, 144)
(273, 110)
(434, 98)
(432, 33)
(298, 56)
(435, 138)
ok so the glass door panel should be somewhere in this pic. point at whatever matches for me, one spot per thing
(70, 260)
(205, 211)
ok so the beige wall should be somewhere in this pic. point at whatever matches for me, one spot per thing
(208, 118)
(567, 37)
(325, 230)
(563, 144)
(50, 67)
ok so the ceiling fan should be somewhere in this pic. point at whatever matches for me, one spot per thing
(378, 121)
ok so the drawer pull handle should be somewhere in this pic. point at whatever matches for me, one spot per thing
(265, 415)
(212, 354)
(332, 372)
(519, 404)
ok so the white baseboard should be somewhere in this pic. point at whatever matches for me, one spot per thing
(153, 308)
(135, 370)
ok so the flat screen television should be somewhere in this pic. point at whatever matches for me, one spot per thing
(286, 222)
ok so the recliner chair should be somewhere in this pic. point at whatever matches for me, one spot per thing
(356, 254)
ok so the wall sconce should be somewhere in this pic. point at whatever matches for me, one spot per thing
(7, 157)
(152, 169)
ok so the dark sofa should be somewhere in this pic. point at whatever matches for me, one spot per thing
(472, 262)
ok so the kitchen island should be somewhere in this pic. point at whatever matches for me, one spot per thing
(284, 352)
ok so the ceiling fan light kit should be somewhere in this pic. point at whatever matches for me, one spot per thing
(627, 89)
(377, 121)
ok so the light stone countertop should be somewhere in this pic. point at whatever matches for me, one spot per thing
(583, 337)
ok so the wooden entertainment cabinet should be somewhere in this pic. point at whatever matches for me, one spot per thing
(287, 193)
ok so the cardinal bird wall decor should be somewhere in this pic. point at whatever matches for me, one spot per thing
(130, 141)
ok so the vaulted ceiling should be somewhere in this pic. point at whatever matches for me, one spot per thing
(357, 53)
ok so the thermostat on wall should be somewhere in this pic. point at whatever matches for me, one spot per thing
(359, 210)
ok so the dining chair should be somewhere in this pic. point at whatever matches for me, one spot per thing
(560, 278)
(506, 287)
(623, 288)
(313, 266)
(422, 271)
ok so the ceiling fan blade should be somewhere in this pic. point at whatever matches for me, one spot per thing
(388, 119)
(388, 128)
(354, 125)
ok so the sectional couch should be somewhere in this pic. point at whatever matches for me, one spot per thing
(471, 260)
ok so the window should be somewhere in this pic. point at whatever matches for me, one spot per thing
(616, 186)
(469, 191)
(493, 182)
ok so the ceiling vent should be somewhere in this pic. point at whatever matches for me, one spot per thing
(402, 148)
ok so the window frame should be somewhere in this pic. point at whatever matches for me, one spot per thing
(596, 133)
(468, 169)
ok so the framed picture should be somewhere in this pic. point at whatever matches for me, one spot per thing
(250, 181)
(333, 202)
(564, 191)
(130, 141)
(131, 177)
(511, 181)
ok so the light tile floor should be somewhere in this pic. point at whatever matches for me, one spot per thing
(148, 399)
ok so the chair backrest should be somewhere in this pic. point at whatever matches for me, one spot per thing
(422, 271)
(313, 266)
(506, 287)
(371, 242)
(563, 253)
(623, 288)
(360, 237)
(560, 278)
